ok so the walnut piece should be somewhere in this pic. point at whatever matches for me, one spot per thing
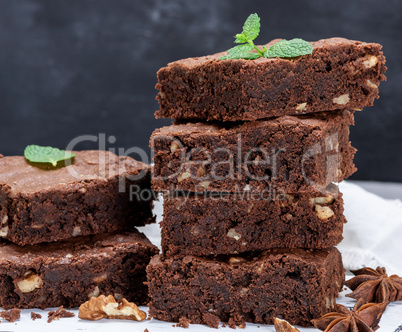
(100, 278)
(94, 293)
(76, 231)
(370, 61)
(282, 325)
(183, 176)
(204, 184)
(233, 234)
(371, 84)
(342, 99)
(174, 147)
(323, 212)
(30, 282)
(301, 107)
(321, 200)
(4, 231)
(107, 307)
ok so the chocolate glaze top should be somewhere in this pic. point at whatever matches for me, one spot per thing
(317, 45)
(311, 120)
(310, 256)
(75, 249)
(25, 177)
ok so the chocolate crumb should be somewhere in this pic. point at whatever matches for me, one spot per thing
(34, 316)
(184, 322)
(59, 313)
(11, 315)
(236, 322)
(146, 330)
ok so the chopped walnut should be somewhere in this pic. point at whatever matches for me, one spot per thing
(100, 278)
(76, 231)
(174, 147)
(371, 84)
(370, 61)
(183, 176)
(301, 107)
(324, 212)
(282, 325)
(204, 184)
(321, 200)
(30, 282)
(233, 234)
(107, 307)
(342, 99)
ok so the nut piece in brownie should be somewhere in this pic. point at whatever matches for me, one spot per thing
(294, 284)
(236, 223)
(340, 74)
(69, 273)
(289, 153)
(90, 196)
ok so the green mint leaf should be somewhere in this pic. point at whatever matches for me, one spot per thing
(46, 154)
(251, 28)
(241, 52)
(289, 49)
(240, 38)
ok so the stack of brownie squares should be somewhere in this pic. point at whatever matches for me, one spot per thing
(67, 232)
(248, 170)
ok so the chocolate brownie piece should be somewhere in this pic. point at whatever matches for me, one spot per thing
(289, 154)
(68, 273)
(340, 74)
(294, 284)
(236, 223)
(91, 196)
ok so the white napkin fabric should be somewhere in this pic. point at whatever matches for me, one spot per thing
(373, 233)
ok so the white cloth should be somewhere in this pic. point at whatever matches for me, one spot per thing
(373, 233)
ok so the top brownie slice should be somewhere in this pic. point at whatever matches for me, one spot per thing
(99, 192)
(340, 74)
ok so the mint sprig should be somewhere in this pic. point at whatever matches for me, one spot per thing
(46, 154)
(251, 30)
(289, 49)
(247, 49)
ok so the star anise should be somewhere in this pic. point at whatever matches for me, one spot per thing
(375, 285)
(363, 318)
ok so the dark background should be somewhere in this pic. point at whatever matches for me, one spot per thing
(80, 67)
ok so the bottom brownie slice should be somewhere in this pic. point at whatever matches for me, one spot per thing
(294, 284)
(69, 273)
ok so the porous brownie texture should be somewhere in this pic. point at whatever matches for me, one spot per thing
(236, 223)
(341, 74)
(287, 154)
(68, 273)
(90, 196)
(294, 284)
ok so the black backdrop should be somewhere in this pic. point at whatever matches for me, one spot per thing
(79, 67)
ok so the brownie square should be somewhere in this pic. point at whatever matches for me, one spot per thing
(294, 284)
(286, 154)
(98, 193)
(341, 74)
(68, 273)
(237, 223)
